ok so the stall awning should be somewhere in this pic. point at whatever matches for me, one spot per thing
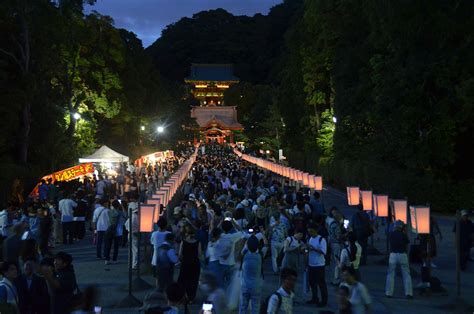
(104, 154)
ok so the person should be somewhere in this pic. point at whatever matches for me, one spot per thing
(133, 205)
(398, 256)
(189, 254)
(336, 240)
(211, 257)
(292, 247)
(79, 219)
(62, 282)
(225, 249)
(317, 206)
(8, 291)
(114, 231)
(43, 190)
(282, 300)
(351, 254)
(279, 232)
(466, 230)
(343, 303)
(212, 293)
(428, 243)
(100, 221)
(66, 208)
(176, 295)
(359, 296)
(12, 245)
(157, 238)
(317, 248)
(361, 225)
(252, 274)
(166, 258)
(33, 291)
(45, 229)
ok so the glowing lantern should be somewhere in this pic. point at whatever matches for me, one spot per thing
(306, 179)
(420, 219)
(146, 217)
(318, 183)
(353, 195)
(400, 210)
(381, 205)
(366, 197)
(156, 203)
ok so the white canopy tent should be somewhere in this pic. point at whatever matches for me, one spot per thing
(105, 154)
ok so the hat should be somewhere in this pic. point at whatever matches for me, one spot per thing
(398, 224)
(464, 212)
(177, 210)
(245, 203)
(192, 197)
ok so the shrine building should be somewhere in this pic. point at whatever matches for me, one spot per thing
(216, 122)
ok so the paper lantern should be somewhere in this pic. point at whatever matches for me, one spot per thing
(353, 195)
(146, 217)
(306, 179)
(318, 183)
(156, 202)
(381, 205)
(400, 210)
(366, 197)
(420, 219)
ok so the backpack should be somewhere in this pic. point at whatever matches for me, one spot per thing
(242, 261)
(163, 259)
(281, 255)
(327, 256)
(264, 304)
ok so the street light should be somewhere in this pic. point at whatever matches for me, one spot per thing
(142, 128)
(76, 115)
(334, 119)
(160, 129)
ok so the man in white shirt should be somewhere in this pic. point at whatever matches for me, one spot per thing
(66, 207)
(281, 301)
(359, 296)
(225, 249)
(100, 222)
(317, 248)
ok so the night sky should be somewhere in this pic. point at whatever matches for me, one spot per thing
(147, 18)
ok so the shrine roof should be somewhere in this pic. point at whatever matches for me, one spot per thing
(224, 116)
(212, 72)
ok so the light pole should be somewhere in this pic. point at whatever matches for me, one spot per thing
(160, 129)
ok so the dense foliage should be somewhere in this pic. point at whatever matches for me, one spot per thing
(55, 62)
(396, 75)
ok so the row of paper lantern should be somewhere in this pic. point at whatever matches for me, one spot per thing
(304, 178)
(150, 211)
(419, 215)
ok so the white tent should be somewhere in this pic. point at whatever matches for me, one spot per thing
(104, 154)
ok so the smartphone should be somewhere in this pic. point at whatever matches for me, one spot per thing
(228, 219)
(97, 310)
(120, 201)
(207, 307)
(250, 230)
(346, 223)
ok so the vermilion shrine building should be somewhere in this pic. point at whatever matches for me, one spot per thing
(216, 122)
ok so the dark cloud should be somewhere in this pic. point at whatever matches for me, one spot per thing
(147, 18)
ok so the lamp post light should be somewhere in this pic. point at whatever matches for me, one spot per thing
(142, 128)
(334, 119)
(76, 115)
(160, 129)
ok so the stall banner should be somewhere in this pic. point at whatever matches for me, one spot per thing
(67, 174)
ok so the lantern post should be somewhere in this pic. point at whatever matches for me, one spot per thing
(145, 224)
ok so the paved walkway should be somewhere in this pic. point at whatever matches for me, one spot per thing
(112, 279)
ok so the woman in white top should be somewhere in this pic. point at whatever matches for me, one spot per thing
(350, 255)
(211, 256)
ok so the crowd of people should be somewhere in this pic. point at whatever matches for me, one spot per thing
(232, 219)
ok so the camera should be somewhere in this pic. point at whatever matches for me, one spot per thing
(207, 307)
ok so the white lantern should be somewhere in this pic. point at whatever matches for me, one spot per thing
(420, 219)
(400, 210)
(381, 205)
(353, 195)
(366, 197)
(146, 217)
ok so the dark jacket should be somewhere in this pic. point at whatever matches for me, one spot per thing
(63, 296)
(12, 248)
(33, 300)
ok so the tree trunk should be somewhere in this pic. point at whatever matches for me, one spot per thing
(24, 133)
